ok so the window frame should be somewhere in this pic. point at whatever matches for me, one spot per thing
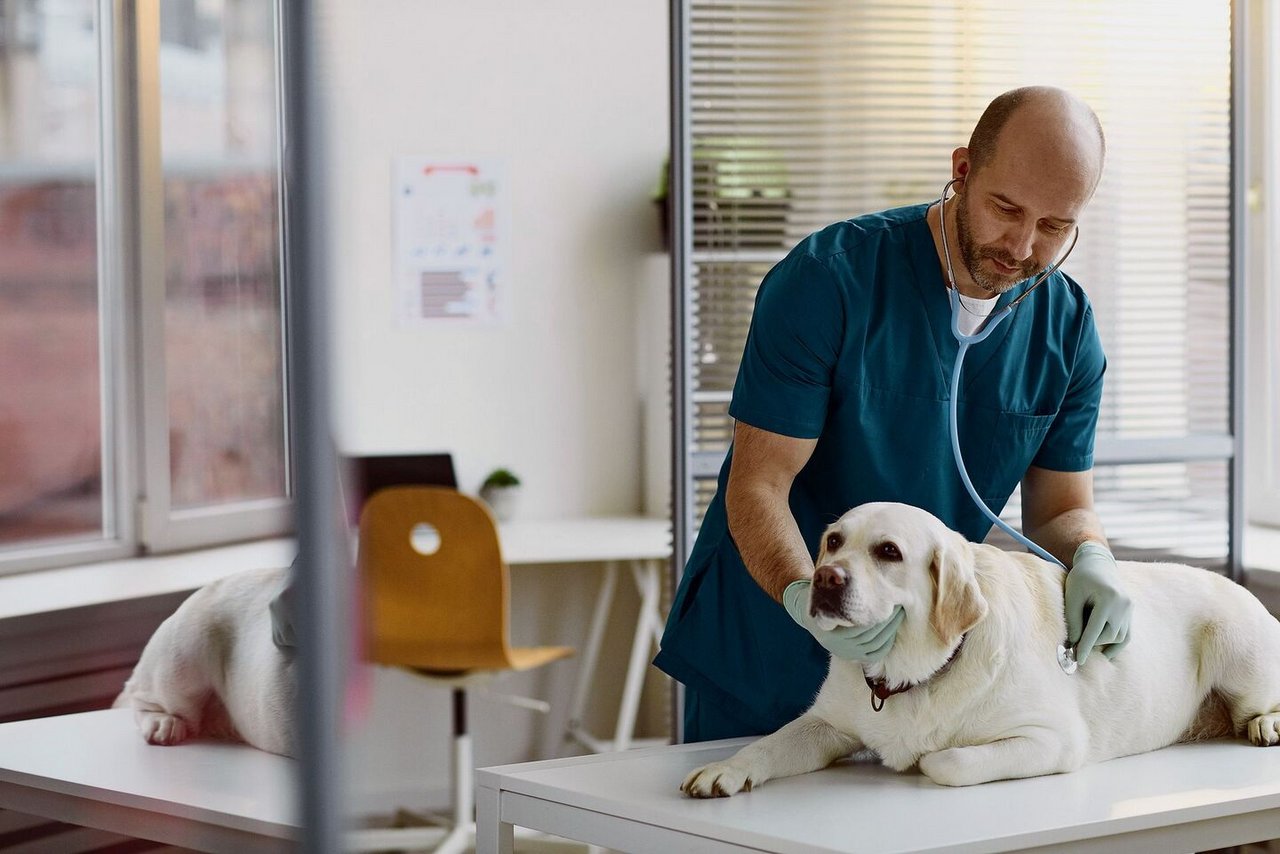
(1262, 264)
(160, 527)
(137, 513)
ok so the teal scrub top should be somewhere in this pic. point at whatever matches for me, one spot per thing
(850, 343)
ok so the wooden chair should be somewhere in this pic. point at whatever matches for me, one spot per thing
(444, 615)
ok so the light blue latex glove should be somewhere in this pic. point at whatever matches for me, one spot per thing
(1094, 583)
(852, 643)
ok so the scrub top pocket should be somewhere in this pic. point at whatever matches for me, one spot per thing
(1013, 444)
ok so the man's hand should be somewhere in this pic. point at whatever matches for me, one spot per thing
(1094, 582)
(852, 643)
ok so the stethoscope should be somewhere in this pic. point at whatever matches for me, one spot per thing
(1066, 655)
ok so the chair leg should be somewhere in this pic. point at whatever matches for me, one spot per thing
(459, 837)
(458, 840)
(463, 769)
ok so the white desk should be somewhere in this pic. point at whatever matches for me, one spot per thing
(644, 545)
(1183, 798)
(94, 769)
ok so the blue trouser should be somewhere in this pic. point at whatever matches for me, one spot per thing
(704, 721)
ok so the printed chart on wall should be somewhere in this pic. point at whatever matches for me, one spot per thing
(448, 242)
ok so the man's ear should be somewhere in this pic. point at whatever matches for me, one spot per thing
(960, 166)
(958, 603)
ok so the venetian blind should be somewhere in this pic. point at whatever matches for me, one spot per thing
(805, 113)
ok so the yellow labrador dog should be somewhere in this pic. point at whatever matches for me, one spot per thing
(972, 691)
(211, 669)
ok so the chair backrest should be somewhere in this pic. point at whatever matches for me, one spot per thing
(444, 611)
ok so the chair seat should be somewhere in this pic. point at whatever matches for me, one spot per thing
(458, 678)
(529, 657)
(454, 660)
(522, 659)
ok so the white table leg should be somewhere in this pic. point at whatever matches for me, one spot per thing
(595, 636)
(493, 835)
(646, 575)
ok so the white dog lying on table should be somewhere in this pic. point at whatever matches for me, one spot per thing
(985, 698)
(211, 669)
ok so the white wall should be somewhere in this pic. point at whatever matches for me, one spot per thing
(572, 96)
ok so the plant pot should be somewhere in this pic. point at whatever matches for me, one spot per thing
(502, 501)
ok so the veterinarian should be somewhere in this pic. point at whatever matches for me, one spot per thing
(842, 398)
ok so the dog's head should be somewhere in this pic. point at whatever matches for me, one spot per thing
(881, 555)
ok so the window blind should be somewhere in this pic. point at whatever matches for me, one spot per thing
(806, 113)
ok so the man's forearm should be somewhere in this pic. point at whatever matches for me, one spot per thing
(1063, 534)
(768, 539)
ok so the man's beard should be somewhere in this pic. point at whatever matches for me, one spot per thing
(972, 254)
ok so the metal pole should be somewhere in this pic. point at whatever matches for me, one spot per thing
(1236, 279)
(323, 597)
(681, 242)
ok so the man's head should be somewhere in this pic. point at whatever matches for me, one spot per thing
(1031, 166)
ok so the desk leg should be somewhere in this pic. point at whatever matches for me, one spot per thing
(493, 835)
(595, 635)
(646, 575)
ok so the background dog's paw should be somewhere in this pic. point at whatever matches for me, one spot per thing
(1264, 730)
(717, 780)
(950, 767)
(161, 728)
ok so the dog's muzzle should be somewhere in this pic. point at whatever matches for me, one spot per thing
(827, 596)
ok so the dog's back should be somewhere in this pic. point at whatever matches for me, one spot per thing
(1197, 639)
(211, 669)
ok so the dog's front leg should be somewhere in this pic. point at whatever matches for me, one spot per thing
(806, 744)
(1008, 758)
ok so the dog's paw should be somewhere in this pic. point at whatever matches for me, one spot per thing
(717, 780)
(162, 728)
(950, 767)
(1264, 730)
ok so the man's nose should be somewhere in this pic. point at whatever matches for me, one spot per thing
(830, 577)
(1022, 243)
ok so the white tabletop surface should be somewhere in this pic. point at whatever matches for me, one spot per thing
(598, 538)
(100, 756)
(865, 807)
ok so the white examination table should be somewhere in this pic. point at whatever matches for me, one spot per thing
(94, 769)
(1184, 798)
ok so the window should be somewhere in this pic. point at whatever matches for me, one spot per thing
(802, 114)
(1263, 399)
(52, 479)
(141, 352)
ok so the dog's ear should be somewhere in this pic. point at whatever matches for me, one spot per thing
(958, 603)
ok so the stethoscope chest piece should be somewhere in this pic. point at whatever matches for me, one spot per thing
(1067, 659)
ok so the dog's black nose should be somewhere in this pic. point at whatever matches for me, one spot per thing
(830, 577)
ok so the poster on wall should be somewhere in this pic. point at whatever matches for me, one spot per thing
(448, 223)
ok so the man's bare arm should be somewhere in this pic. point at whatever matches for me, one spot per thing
(1057, 511)
(756, 502)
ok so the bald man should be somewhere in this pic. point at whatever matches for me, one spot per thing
(842, 398)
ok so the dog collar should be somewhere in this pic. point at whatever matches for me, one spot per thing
(880, 690)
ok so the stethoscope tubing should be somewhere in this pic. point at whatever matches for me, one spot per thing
(964, 342)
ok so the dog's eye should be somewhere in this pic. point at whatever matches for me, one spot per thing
(887, 551)
(834, 542)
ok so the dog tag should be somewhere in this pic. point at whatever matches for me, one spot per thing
(1067, 659)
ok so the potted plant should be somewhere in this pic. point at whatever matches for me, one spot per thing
(500, 491)
(741, 190)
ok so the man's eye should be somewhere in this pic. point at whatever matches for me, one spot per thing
(887, 551)
(1005, 211)
(834, 542)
